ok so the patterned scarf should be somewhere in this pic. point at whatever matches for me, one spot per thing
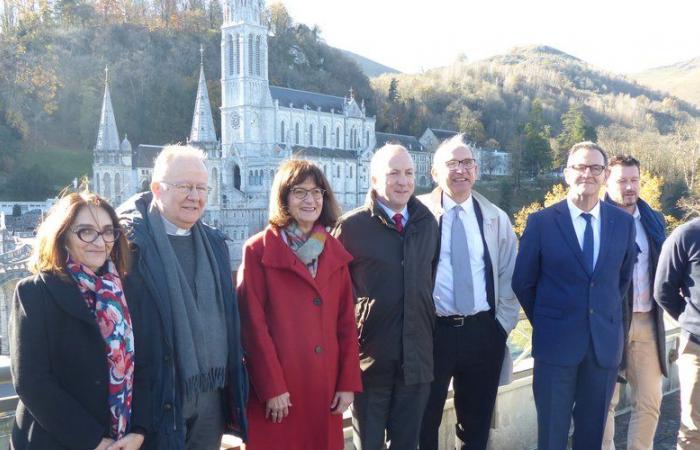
(306, 249)
(104, 297)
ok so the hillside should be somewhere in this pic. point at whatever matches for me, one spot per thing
(369, 67)
(494, 97)
(681, 79)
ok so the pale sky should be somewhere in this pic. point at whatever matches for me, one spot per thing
(617, 35)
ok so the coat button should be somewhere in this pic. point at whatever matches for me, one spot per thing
(166, 358)
(98, 382)
(317, 349)
(590, 311)
(168, 406)
(592, 284)
(317, 302)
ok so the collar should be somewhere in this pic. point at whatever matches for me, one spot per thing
(172, 229)
(390, 212)
(576, 211)
(448, 203)
(637, 215)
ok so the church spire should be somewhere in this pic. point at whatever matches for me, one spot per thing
(202, 122)
(107, 135)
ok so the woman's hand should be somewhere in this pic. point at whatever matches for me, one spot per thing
(341, 401)
(104, 444)
(277, 408)
(131, 441)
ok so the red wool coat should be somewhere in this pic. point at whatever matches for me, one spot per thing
(300, 337)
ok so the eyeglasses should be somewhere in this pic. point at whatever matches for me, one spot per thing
(454, 164)
(596, 169)
(186, 188)
(301, 193)
(90, 235)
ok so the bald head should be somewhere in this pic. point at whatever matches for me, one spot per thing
(393, 176)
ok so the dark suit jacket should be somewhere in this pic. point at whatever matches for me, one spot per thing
(59, 369)
(568, 306)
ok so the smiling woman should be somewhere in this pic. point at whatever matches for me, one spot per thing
(77, 388)
(298, 318)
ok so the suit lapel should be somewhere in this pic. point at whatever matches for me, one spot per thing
(566, 226)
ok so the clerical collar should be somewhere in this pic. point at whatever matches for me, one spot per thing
(174, 230)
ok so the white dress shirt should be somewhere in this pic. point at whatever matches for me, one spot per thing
(580, 225)
(640, 282)
(443, 292)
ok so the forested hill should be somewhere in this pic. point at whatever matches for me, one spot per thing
(681, 79)
(53, 71)
(492, 98)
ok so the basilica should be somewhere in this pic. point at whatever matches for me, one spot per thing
(261, 125)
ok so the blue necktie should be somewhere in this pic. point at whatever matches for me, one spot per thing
(588, 242)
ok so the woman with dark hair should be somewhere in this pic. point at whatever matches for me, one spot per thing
(298, 318)
(72, 339)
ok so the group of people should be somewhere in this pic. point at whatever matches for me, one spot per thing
(135, 333)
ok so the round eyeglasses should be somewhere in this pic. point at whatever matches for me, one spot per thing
(301, 193)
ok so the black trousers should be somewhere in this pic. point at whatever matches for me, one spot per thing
(391, 410)
(470, 352)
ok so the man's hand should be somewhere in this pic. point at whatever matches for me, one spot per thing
(341, 402)
(131, 441)
(277, 408)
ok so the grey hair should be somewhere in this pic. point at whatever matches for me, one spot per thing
(588, 145)
(171, 153)
(456, 141)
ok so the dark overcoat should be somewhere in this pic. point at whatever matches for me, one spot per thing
(146, 286)
(59, 368)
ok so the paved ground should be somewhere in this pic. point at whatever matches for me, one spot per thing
(666, 431)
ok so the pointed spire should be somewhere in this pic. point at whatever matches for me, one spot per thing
(202, 122)
(107, 135)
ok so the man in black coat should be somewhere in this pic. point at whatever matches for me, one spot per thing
(393, 240)
(181, 279)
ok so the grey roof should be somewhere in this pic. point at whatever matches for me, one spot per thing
(443, 134)
(316, 152)
(312, 99)
(144, 156)
(410, 142)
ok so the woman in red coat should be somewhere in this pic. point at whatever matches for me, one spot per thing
(298, 319)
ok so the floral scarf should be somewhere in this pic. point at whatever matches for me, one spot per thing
(104, 297)
(306, 249)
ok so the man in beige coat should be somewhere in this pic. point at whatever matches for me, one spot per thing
(475, 305)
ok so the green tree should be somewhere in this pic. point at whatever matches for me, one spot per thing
(537, 153)
(574, 130)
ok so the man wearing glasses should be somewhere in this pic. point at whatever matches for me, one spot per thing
(573, 269)
(475, 305)
(181, 280)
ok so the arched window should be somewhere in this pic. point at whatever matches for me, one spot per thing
(325, 171)
(97, 184)
(250, 178)
(237, 177)
(145, 185)
(324, 142)
(231, 54)
(296, 133)
(282, 131)
(107, 185)
(367, 138)
(237, 54)
(337, 169)
(117, 189)
(311, 135)
(350, 171)
(250, 54)
(337, 137)
(258, 56)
